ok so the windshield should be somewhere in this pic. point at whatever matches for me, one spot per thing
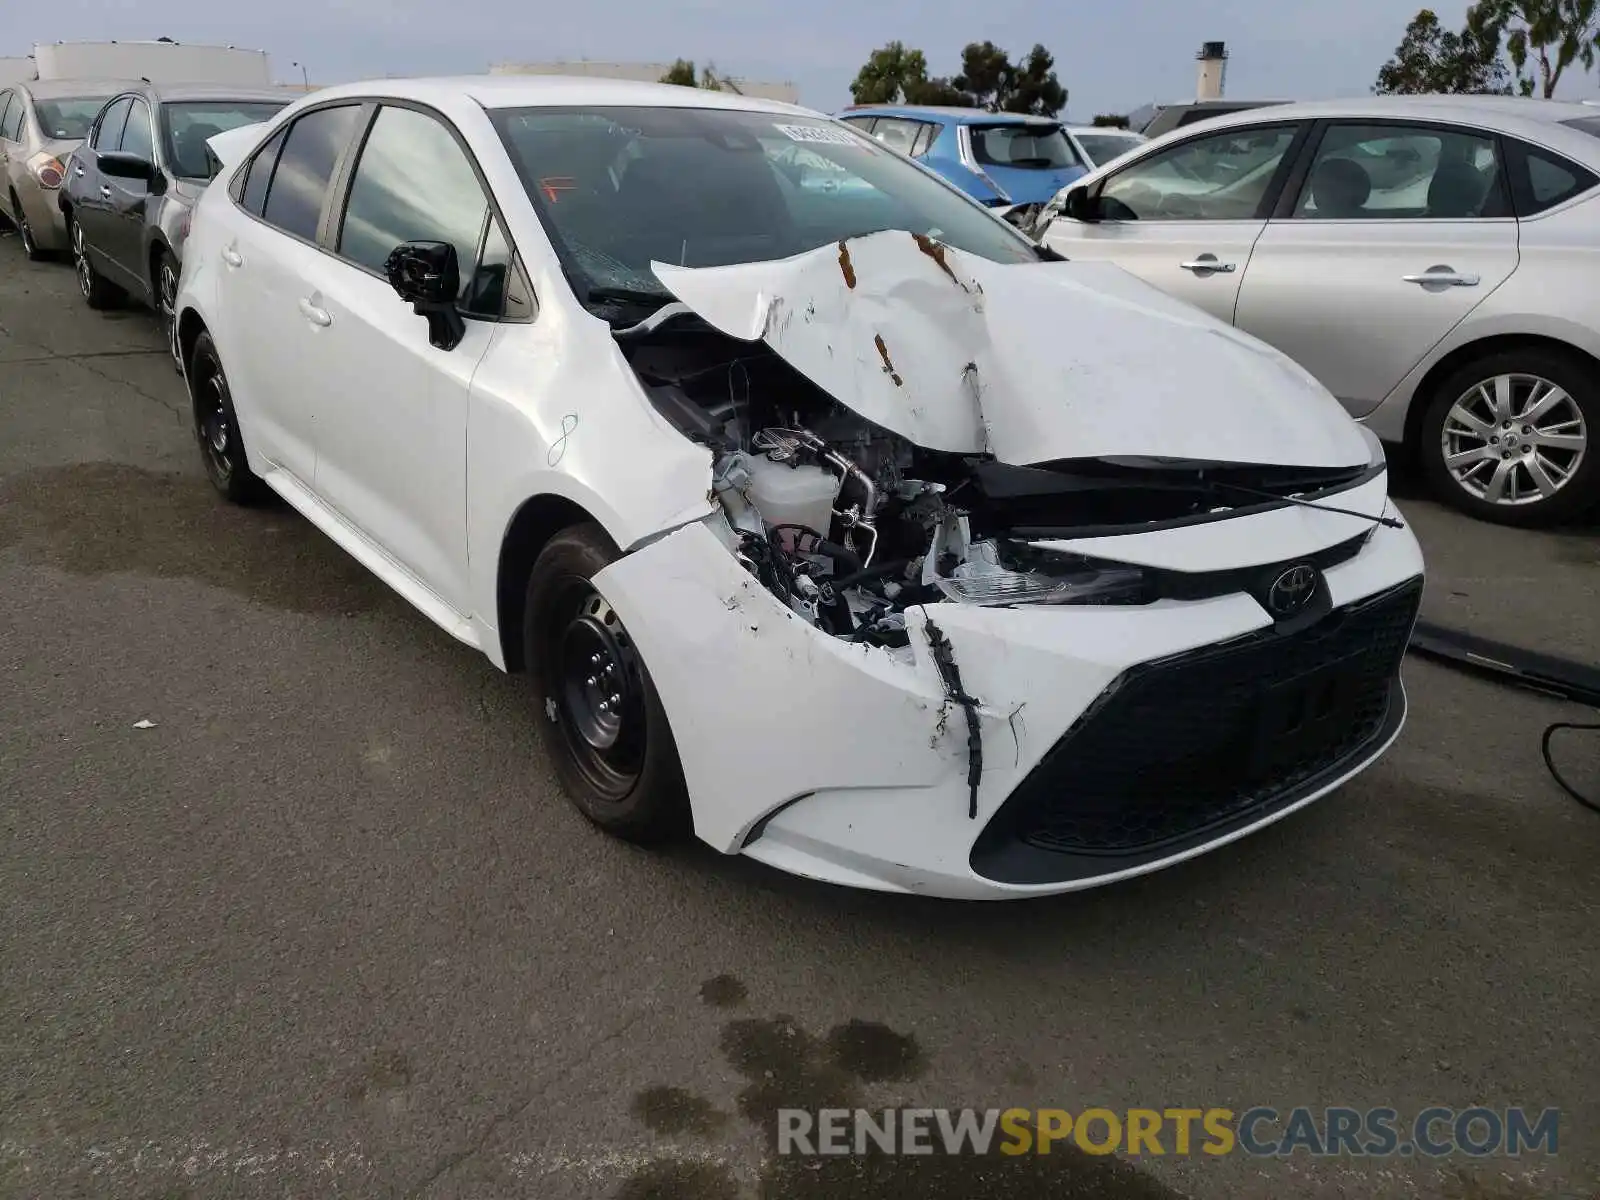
(1103, 147)
(618, 188)
(185, 126)
(68, 119)
(1029, 147)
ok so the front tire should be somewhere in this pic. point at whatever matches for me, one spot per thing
(98, 291)
(598, 711)
(1511, 437)
(216, 427)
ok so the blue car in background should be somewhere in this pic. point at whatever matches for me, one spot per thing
(1000, 159)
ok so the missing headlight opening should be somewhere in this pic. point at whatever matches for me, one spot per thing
(849, 524)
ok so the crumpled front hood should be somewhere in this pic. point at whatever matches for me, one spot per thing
(1031, 362)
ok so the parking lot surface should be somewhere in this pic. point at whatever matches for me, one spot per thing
(326, 927)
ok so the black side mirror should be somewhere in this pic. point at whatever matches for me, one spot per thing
(126, 166)
(1079, 205)
(426, 275)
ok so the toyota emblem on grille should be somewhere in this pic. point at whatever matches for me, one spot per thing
(1292, 591)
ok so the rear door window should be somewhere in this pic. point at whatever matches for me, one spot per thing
(305, 168)
(108, 135)
(1032, 147)
(10, 116)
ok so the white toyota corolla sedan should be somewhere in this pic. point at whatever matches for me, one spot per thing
(841, 525)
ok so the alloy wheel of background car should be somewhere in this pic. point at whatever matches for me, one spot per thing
(96, 289)
(602, 720)
(1508, 438)
(19, 221)
(166, 306)
(216, 427)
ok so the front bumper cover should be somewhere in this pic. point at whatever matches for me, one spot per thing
(850, 764)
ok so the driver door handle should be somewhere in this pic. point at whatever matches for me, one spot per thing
(105, 191)
(1208, 262)
(78, 170)
(233, 258)
(317, 316)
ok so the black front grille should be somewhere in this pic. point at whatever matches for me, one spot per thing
(1176, 748)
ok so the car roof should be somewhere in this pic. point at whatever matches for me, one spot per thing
(950, 113)
(164, 92)
(551, 91)
(1111, 129)
(1537, 121)
(74, 89)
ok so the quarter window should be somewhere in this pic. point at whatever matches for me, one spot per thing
(108, 136)
(1216, 177)
(254, 194)
(305, 167)
(413, 182)
(924, 140)
(136, 136)
(1391, 172)
(1542, 180)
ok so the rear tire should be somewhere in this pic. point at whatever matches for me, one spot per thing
(216, 427)
(98, 291)
(1507, 426)
(598, 712)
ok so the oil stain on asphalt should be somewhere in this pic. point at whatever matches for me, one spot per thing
(785, 1066)
(94, 519)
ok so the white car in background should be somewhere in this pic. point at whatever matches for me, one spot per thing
(841, 526)
(1431, 259)
(1099, 144)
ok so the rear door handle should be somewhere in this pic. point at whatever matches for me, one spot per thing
(78, 171)
(105, 191)
(1443, 275)
(1207, 263)
(317, 316)
(233, 258)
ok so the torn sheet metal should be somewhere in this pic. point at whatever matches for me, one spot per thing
(1030, 361)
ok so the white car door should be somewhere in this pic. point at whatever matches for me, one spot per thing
(1398, 231)
(267, 252)
(1186, 218)
(392, 407)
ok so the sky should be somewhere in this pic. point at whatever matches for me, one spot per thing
(1113, 59)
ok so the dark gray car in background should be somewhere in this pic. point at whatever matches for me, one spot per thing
(132, 184)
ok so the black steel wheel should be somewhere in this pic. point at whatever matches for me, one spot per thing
(19, 222)
(98, 291)
(601, 717)
(216, 426)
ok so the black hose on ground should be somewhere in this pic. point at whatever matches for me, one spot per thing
(1544, 673)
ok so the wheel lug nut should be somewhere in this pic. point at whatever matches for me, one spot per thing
(1505, 454)
(1494, 441)
(592, 680)
(604, 707)
(1527, 429)
(594, 660)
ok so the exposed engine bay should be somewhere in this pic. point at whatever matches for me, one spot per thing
(848, 523)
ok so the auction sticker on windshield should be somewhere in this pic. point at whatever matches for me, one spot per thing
(817, 133)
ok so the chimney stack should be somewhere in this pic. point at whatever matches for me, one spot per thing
(1213, 58)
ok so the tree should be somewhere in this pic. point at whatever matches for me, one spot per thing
(1110, 121)
(896, 74)
(1430, 58)
(995, 83)
(1554, 33)
(681, 73)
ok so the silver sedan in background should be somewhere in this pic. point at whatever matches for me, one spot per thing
(1431, 259)
(41, 123)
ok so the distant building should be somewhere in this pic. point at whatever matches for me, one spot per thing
(648, 73)
(17, 70)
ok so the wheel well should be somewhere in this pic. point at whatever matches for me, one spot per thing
(1461, 355)
(157, 249)
(190, 327)
(536, 522)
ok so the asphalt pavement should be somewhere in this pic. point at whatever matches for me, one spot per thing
(291, 906)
